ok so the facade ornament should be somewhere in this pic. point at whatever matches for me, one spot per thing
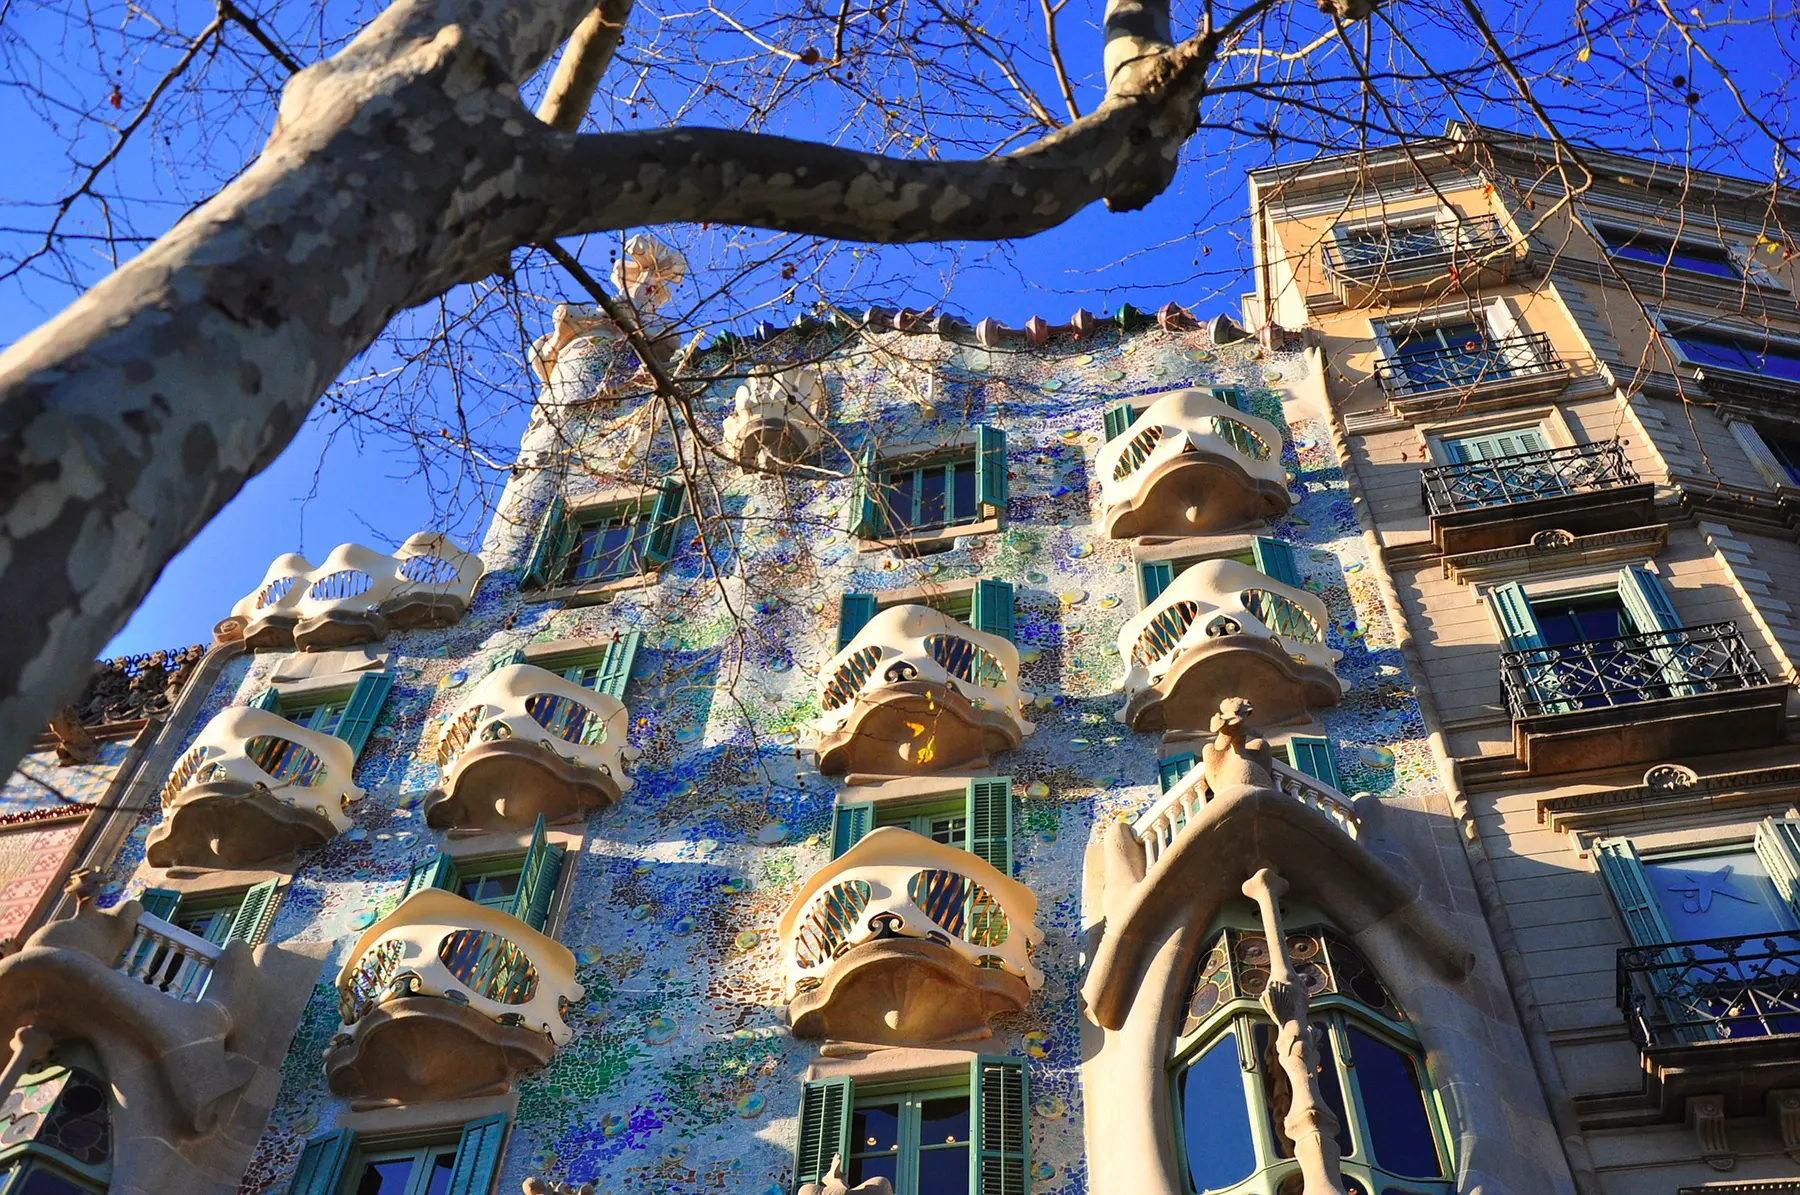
(1551, 539)
(1233, 759)
(1037, 330)
(834, 1183)
(1222, 329)
(84, 885)
(1784, 1110)
(1706, 1116)
(1668, 777)
(73, 742)
(1309, 1124)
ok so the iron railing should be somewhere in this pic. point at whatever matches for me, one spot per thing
(1714, 989)
(1628, 669)
(1526, 477)
(1430, 248)
(1478, 362)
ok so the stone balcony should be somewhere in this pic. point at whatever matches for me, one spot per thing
(1222, 629)
(905, 941)
(252, 791)
(444, 998)
(776, 419)
(358, 595)
(917, 691)
(1190, 464)
(1160, 825)
(528, 742)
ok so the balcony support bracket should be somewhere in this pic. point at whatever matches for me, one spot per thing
(1706, 1116)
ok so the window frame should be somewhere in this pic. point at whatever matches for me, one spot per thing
(869, 508)
(419, 1149)
(1613, 237)
(911, 1093)
(639, 515)
(1670, 324)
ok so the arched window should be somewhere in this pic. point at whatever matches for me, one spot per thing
(56, 1129)
(1232, 1097)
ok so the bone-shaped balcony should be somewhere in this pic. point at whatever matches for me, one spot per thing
(918, 691)
(1222, 629)
(776, 419)
(527, 742)
(358, 595)
(252, 790)
(444, 998)
(1190, 464)
(905, 941)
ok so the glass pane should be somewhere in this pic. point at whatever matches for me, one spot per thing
(490, 888)
(883, 1166)
(899, 512)
(212, 924)
(944, 1171)
(875, 1129)
(442, 1167)
(1583, 620)
(385, 1178)
(41, 1181)
(587, 548)
(1399, 1126)
(948, 829)
(962, 507)
(944, 1121)
(1724, 895)
(1215, 1120)
(931, 497)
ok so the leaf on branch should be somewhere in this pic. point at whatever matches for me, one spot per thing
(1583, 54)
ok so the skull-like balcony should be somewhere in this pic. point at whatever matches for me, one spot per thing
(1190, 464)
(528, 742)
(776, 419)
(443, 999)
(358, 595)
(252, 791)
(905, 941)
(917, 691)
(1222, 629)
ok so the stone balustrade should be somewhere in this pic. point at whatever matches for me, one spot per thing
(1158, 826)
(1190, 464)
(776, 418)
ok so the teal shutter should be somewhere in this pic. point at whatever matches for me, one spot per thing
(615, 665)
(990, 816)
(865, 512)
(1623, 872)
(251, 923)
(1516, 619)
(992, 608)
(1231, 396)
(268, 699)
(322, 1166)
(850, 822)
(1000, 1094)
(364, 707)
(665, 517)
(1311, 753)
(537, 879)
(477, 1156)
(1117, 420)
(1494, 444)
(990, 469)
(1642, 594)
(159, 902)
(1169, 771)
(1778, 846)
(1155, 576)
(436, 871)
(824, 1129)
(1275, 560)
(854, 612)
(543, 562)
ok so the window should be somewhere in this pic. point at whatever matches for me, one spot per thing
(1486, 446)
(603, 543)
(605, 671)
(347, 715)
(929, 493)
(1273, 558)
(986, 606)
(1786, 451)
(1660, 249)
(56, 1124)
(522, 885)
(1749, 354)
(959, 1135)
(424, 1171)
(456, 1163)
(243, 916)
(979, 820)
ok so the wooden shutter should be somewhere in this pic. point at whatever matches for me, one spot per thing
(1492, 444)
(991, 610)
(160, 902)
(1232, 397)
(824, 1129)
(865, 510)
(322, 1165)
(1154, 576)
(1778, 846)
(543, 561)
(434, 871)
(364, 707)
(1275, 560)
(1516, 619)
(1646, 600)
(1117, 419)
(477, 1156)
(251, 923)
(537, 879)
(1773, 469)
(1172, 769)
(665, 517)
(1623, 873)
(849, 824)
(1000, 1096)
(268, 699)
(1503, 324)
(1311, 753)
(615, 665)
(990, 816)
(990, 469)
(854, 612)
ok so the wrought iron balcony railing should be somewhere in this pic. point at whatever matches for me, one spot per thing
(1526, 477)
(1416, 372)
(1631, 668)
(1715, 989)
(1426, 249)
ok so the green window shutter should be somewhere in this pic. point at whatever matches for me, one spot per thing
(990, 816)
(1275, 560)
(364, 707)
(1231, 396)
(1000, 1094)
(854, 612)
(160, 902)
(1646, 600)
(1118, 419)
(251, 924)
(992, 608)
(849, 824)
(665, 517)
(1778, 846)
(865, 512)
(990, 471)
(1623, 872)
(1154, 576)
(824, 1129)
(1462, 449)
(1311, 753)
(1516, 618)
(436, 871)
(1172, 769)
(268, 699)
(537, 879)
(477, 1156)
(541, 563)
(322, 1166)
(615, 665)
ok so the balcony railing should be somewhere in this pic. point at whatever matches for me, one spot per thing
(1526, 477)
(1417, 372)
(1710, 990)
(1158, 827)
(1628, 669)
(1191, 464)
(1430, 249)
(169, 959)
